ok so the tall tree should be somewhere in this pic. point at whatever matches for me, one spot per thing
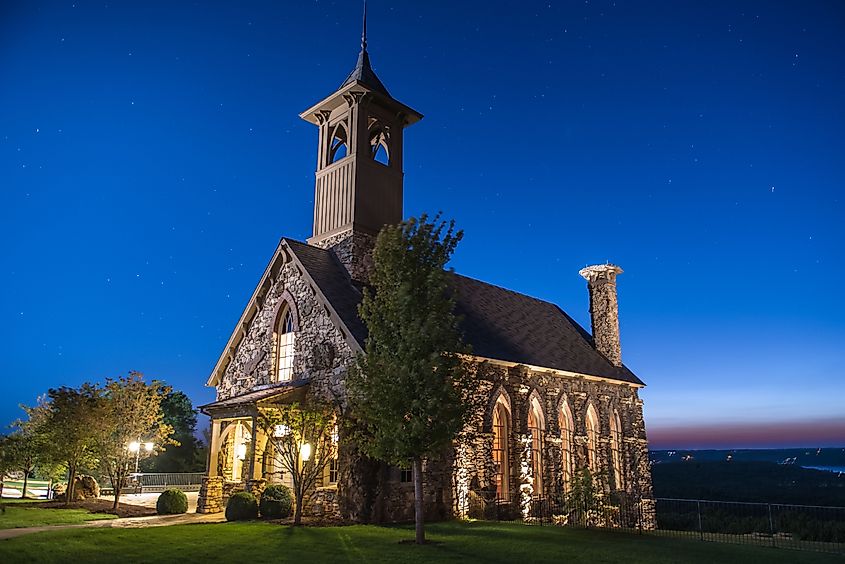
(411, 394)
(70, 416)
(180, 414)
(130, 415)
(304, 438)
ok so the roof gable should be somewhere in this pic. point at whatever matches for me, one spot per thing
(498, 324)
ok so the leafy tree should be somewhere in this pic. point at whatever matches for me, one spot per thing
(303, 436)
(26, 449)
(411, 393)
(180, 414)
(129, 410)
(69, 417)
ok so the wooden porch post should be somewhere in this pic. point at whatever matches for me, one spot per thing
(253, 448)
(214, 447)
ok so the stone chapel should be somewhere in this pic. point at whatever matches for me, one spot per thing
(559, 399)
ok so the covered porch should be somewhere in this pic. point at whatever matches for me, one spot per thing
(241, 457)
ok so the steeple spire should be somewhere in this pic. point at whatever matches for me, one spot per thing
(364, 29)
(363, 71)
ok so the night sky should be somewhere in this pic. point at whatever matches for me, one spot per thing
(151, 157)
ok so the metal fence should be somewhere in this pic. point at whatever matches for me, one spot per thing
(778, 525)
(34, 488)
(158, 482)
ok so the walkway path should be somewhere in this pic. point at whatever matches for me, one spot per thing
(127, 523)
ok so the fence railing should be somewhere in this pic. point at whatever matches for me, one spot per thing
(803, 527)
(158, 482)
(34, 488)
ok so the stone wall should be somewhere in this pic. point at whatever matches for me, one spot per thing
(321, 352)
(210, 498)
(354, 250)
(475, 473)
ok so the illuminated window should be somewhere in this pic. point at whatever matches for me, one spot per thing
(567, 441)
(615, 450)
(535, 428)
(284, 355)
(592, 425)
(501, 431)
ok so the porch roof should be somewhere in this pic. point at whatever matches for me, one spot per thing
(246, 404)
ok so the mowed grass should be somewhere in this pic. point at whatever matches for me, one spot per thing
(18, 515)
(454, 542)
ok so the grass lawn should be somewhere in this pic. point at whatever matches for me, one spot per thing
(455, 542)
(29, 515)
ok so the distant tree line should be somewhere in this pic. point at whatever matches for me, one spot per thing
(101, 427)
(763, 482)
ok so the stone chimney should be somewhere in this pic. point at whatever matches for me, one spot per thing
(604, 309)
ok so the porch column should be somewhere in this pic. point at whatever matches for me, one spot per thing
(214, 448)
(253, 448)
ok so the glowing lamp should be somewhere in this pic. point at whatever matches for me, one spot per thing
(240, 451)
(305, 451)
(134, 446)
(148, 447)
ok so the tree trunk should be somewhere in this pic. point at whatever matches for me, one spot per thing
(71, 477)
(25, 482)
(297, 512)
(418, 502)
(117, 490)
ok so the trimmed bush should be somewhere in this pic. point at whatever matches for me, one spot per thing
(276, 502)
(242, 506)
(171, 502)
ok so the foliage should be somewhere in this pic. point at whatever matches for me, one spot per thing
(456, 541)
(276, 502)
(187, 455)
(69, 416)
(411, 393)
(764, 482)
(172, 501)
(242, 506)
(298, 429)
(129, 410)
(585, 503)
(20, 451)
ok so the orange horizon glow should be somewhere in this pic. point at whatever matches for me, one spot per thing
(828, 433)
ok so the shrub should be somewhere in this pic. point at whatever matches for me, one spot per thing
(242, 506)
(171, 502)
(276, 502)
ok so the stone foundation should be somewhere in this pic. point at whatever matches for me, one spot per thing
(210, 498)
(324, 503)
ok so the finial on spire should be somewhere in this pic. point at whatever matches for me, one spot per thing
(364, 29)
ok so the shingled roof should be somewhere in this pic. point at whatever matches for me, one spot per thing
(497, 323)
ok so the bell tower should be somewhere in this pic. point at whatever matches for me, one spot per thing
(358, 187)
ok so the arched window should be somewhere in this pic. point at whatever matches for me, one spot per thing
(567, 441)
(615, 450)
(339, 145)
(501, 432)
(592, 424)
(536, 425)
(285, 346)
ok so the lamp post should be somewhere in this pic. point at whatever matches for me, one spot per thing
(135, 447)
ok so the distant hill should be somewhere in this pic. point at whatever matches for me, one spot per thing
(752, 481)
